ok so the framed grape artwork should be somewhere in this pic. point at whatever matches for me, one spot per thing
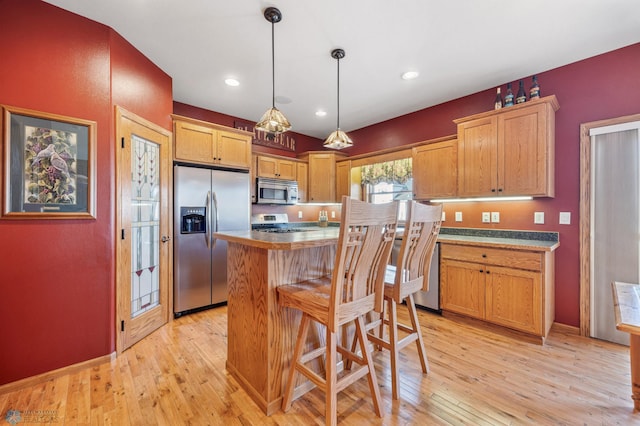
(48, 166)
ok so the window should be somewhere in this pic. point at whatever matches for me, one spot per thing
(389, 181)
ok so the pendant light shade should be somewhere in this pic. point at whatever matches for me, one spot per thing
(338, 139)
(273, 122)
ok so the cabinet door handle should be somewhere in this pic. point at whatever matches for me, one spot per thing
(484, 255)
(481, 270)
(493, 190)
(488, 272)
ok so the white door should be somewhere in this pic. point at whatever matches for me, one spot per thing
(615, 221)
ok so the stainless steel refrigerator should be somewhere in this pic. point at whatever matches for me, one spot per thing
(205, 201)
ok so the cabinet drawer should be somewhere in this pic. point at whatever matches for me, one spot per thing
(528, 260)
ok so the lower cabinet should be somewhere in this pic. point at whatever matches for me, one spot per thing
(511, 288)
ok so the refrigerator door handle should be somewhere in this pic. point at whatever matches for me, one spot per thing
(207, 234)
(215, 216)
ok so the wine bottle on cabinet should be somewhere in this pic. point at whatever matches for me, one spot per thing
(534, 91)
(508, 97)
(521, 97)
(498, 102)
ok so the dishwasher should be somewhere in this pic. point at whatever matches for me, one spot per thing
(429, 300)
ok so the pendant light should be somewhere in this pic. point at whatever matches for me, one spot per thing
(273, 122)
(338, 139)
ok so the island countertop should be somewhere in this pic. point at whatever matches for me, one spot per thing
(317, 237)
(261, 334)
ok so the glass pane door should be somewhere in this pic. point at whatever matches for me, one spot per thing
(145, 226)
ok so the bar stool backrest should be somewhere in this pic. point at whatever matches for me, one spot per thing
(418, 242)
(364, 247)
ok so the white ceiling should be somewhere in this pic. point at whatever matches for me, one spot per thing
(458, 46)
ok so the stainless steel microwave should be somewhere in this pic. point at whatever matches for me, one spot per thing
(276, 191)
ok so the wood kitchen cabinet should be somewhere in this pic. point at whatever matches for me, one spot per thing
(462, 287)
(276, 168)
(211, 144)
(508, 151)
(511, 288)
(343, 179)
(302, 175)
(322, 175)
(435, 170)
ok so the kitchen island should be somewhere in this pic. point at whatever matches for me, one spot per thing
(261, 335)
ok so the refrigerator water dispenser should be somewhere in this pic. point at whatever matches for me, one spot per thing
(193, 220)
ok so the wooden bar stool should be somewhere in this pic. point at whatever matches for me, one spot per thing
(354, 288)
(410, 275)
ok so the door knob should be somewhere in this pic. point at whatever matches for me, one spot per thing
(165, 239)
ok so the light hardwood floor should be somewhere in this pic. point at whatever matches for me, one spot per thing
(177, 376)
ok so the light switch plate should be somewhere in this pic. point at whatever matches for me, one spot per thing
(458, 216)
(486, 217)
(444, 216)
(299, 214)
(565, 218)
(495, 217)
(333, 215)
(538, 217)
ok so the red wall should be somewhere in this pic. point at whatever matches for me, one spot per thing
(601, 87)
(57, 277)
(598, 88)
(303, 142)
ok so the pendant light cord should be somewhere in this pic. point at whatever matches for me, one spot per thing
(273, 66)
(338, 97)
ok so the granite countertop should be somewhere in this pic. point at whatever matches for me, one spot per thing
(499, 238)
(316, 236)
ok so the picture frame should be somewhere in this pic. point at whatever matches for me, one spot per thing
(48, 165)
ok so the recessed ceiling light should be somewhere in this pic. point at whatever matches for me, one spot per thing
(232, 82)
(410, 75)
(321, 113)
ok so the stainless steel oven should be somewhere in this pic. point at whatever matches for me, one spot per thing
(276, 191)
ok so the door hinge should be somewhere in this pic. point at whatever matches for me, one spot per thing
(122, 325)
(122, 141)
(122, 234)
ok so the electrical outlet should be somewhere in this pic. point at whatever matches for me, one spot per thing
(333, 215)
(458, 216)
(299, 214)
(486, 217)
(495, 217)
(538, 217)
(565, 218)
(444, 216)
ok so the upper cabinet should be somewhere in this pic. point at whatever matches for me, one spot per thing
(211, 144)
(276, 168)
(322, 175)
(509, 151)
(435, 170)
(343, 179)
(302, 175)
